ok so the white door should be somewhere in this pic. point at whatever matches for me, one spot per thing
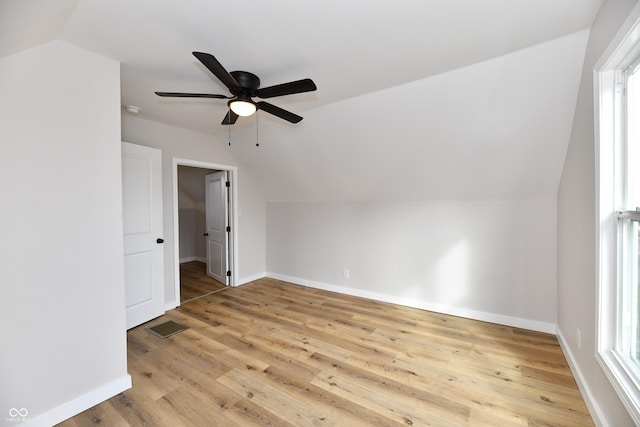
(143, 242)
(217, 236)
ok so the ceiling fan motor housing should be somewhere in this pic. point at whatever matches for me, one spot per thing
(246, 80)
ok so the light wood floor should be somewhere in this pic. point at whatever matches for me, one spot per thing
(194, 281)
(274, 354)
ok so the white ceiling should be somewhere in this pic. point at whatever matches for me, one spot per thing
(491, 85)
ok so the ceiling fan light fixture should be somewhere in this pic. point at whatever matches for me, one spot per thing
(243, 107)
(244, 85)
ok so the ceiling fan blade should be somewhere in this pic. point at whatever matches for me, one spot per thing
(279, 112)
(218, 70)
(230, 118)
(192, 95)
(299, 86)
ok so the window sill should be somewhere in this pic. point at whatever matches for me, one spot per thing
(623, 378)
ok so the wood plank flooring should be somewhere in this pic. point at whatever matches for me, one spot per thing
(270, 353)
(194, 281)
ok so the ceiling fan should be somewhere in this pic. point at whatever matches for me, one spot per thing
(244, 86)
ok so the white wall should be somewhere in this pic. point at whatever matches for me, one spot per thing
(481, 167)
(192, 213)
(577, 231)
(62, 275)
(184, 144)
(490, 260)
(188, 244)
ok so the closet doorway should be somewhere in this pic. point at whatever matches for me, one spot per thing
(199, 265)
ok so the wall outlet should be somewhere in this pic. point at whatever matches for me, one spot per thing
(579, 338)
(346, 273)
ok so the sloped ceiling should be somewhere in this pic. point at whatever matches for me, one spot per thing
(27, 23)
(440, 99)
(496, 129)
(191, 182)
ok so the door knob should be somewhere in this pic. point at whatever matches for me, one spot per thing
(205, 234)
(159, 240)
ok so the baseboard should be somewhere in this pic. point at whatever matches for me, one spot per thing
(589, 400)
(515, 322)
(80, 404)
(193, 258)
(251, 278)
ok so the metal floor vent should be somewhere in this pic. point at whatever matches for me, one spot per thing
(166, 329)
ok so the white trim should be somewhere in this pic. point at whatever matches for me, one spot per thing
(516, 322)
(613, 53)
(172, 304)
(247, 279)
(233, 178)
(192, 258)
(81, 403)
(592, 404)
(622, 382)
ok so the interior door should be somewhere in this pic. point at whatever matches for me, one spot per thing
(143, 242)
(217, 220)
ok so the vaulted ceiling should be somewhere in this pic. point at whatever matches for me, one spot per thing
(447, 99)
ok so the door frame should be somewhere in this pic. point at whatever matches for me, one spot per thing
(232, 176)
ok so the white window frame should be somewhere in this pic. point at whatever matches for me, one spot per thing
(609, 144)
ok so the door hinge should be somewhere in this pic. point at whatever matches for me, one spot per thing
(228, 273)
(228, 229)
(228, 184)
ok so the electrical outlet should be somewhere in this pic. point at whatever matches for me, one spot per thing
(579, 338)
(346, 273)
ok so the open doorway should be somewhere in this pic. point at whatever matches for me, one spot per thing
(192, 225)
(195, 281)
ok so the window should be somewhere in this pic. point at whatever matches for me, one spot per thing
(627, 181)
(618, 158)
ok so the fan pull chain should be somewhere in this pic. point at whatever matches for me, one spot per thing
(229, 126)
(257, 144)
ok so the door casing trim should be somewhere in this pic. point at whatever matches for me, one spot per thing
(232, 174)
